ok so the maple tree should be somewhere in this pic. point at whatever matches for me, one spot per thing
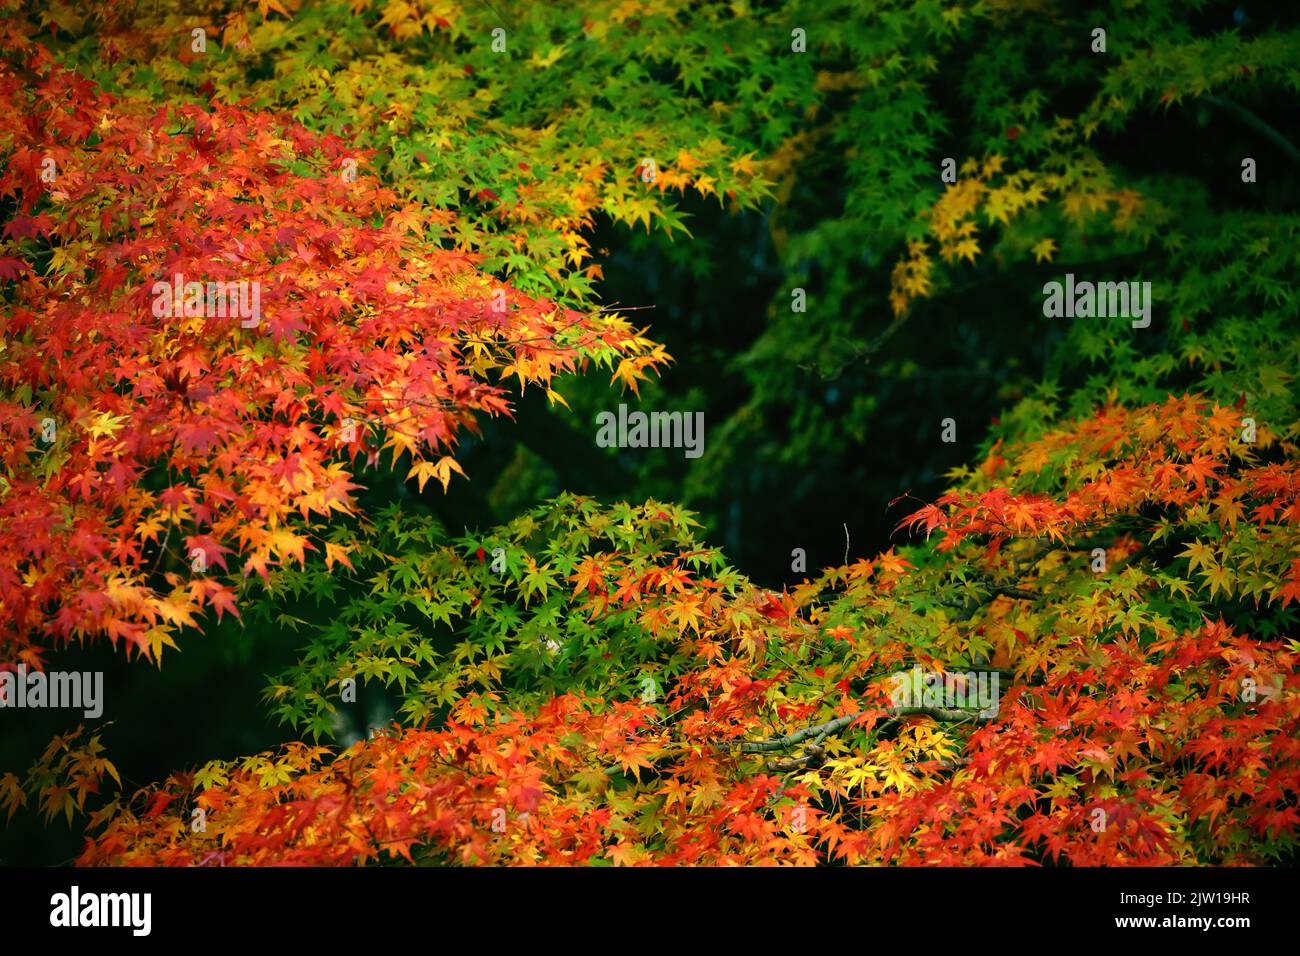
(375, 339)
(593, 683)
(774, 736)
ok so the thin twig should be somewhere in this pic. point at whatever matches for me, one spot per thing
(1255, 123)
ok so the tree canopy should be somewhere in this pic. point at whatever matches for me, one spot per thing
(1070, 639)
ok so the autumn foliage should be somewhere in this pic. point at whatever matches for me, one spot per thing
(1121, 697)
(230, 441)
(591, 682)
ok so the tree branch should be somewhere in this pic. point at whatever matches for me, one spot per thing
(966, 609)
(821, 731)
(1255, 123)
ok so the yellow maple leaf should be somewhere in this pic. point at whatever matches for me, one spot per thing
(106, 423)
(966, 249)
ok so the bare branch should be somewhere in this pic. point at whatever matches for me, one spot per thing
(821, 731)
(1255, 123)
